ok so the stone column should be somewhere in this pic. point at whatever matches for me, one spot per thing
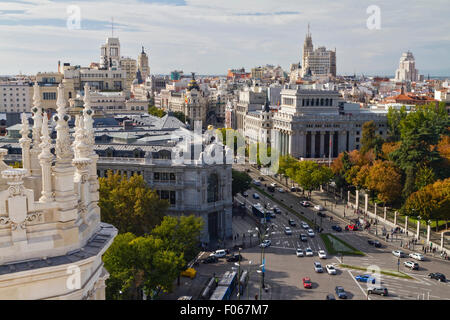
(45, 159)
(313, 144)
(395, 218)
(406, 223)
(322, 143)
(289, 136)
(348, 196)
(342, 141)
(418, 230)
(442, 241)
(25, 143)
(366, 202)
(375, 209)
(357, 199)
(385, 213)
(303, 143)
(428, 233)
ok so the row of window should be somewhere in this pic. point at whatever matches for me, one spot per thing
(317, 102)
(164, 176)
(167, 195)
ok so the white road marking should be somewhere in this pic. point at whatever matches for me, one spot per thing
(365, 293)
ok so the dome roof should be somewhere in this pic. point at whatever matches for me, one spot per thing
(193, 84)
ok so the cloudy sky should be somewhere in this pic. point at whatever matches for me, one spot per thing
(211, 36)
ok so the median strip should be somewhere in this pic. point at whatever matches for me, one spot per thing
(385, 272)
(285, 206)
(336, 246)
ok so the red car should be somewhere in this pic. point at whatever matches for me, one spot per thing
(307, 283)
(352, 227)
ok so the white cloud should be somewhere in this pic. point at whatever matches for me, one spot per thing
(210, 36)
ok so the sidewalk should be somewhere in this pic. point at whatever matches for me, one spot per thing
(338, 207)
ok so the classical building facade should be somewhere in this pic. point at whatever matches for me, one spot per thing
(317, 124)
(51, 237)
(250, 99)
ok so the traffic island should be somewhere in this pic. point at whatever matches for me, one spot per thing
(338, 246)
(385, 272)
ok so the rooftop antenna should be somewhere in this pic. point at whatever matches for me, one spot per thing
(112, 27)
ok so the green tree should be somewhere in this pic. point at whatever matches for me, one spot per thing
(310, 176)
(240, 182)
(140, 264)
(394, 118)
(181, 234)
(129, 204)
(424, 177)
(157, 112)
(180, 116)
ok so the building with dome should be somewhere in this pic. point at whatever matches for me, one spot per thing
(51, 236)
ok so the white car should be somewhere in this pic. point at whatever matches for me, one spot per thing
(265, 243)
(318, 267)
(330, 269)
(398, 253)
(417, 256)
(309, 252)
(305, 225)
(318, 207)
(257, 183)
(311, 233)
(322, 254)
(255, 196)
(287, 230)
(412, 265)
(281, 190)
(219, 253)
(299, 252)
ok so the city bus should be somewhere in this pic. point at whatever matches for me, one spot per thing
(225, 286)
(260, 212)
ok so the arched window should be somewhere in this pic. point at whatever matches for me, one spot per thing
(213, 188)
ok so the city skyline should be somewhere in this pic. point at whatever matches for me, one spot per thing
(195, 35)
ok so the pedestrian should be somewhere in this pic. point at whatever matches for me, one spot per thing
(256, 296)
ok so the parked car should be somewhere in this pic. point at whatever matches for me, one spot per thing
(417, 256)
(255, 196)
(378, 290)
(309, 252)
(293, 189)
(234, 258)
(336, 228)
(311, 233)
(299, 252)
(292, 223)
(265, 243)
(219, 253)
(287, 230)
(257, 183)
(330, 296)
(303, 237)
(281, 190)
(412, 265)
(307, 283)
(322, 254)
(351, 227)
(189, 272)
(318, 207)
(399, 253)
(375, 243)
(210, 259)
(365, 278)
(330, 269)
(438, 276)
(305, 204)
(318, 267)
(305, 225)
(341, 292)
(245, 194)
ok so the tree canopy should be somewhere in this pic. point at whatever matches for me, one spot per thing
(129, 204)
(240, 182)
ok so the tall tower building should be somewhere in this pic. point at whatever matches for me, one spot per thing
(319, 62)
(110, 54)
(143, 66)
(407, 71)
